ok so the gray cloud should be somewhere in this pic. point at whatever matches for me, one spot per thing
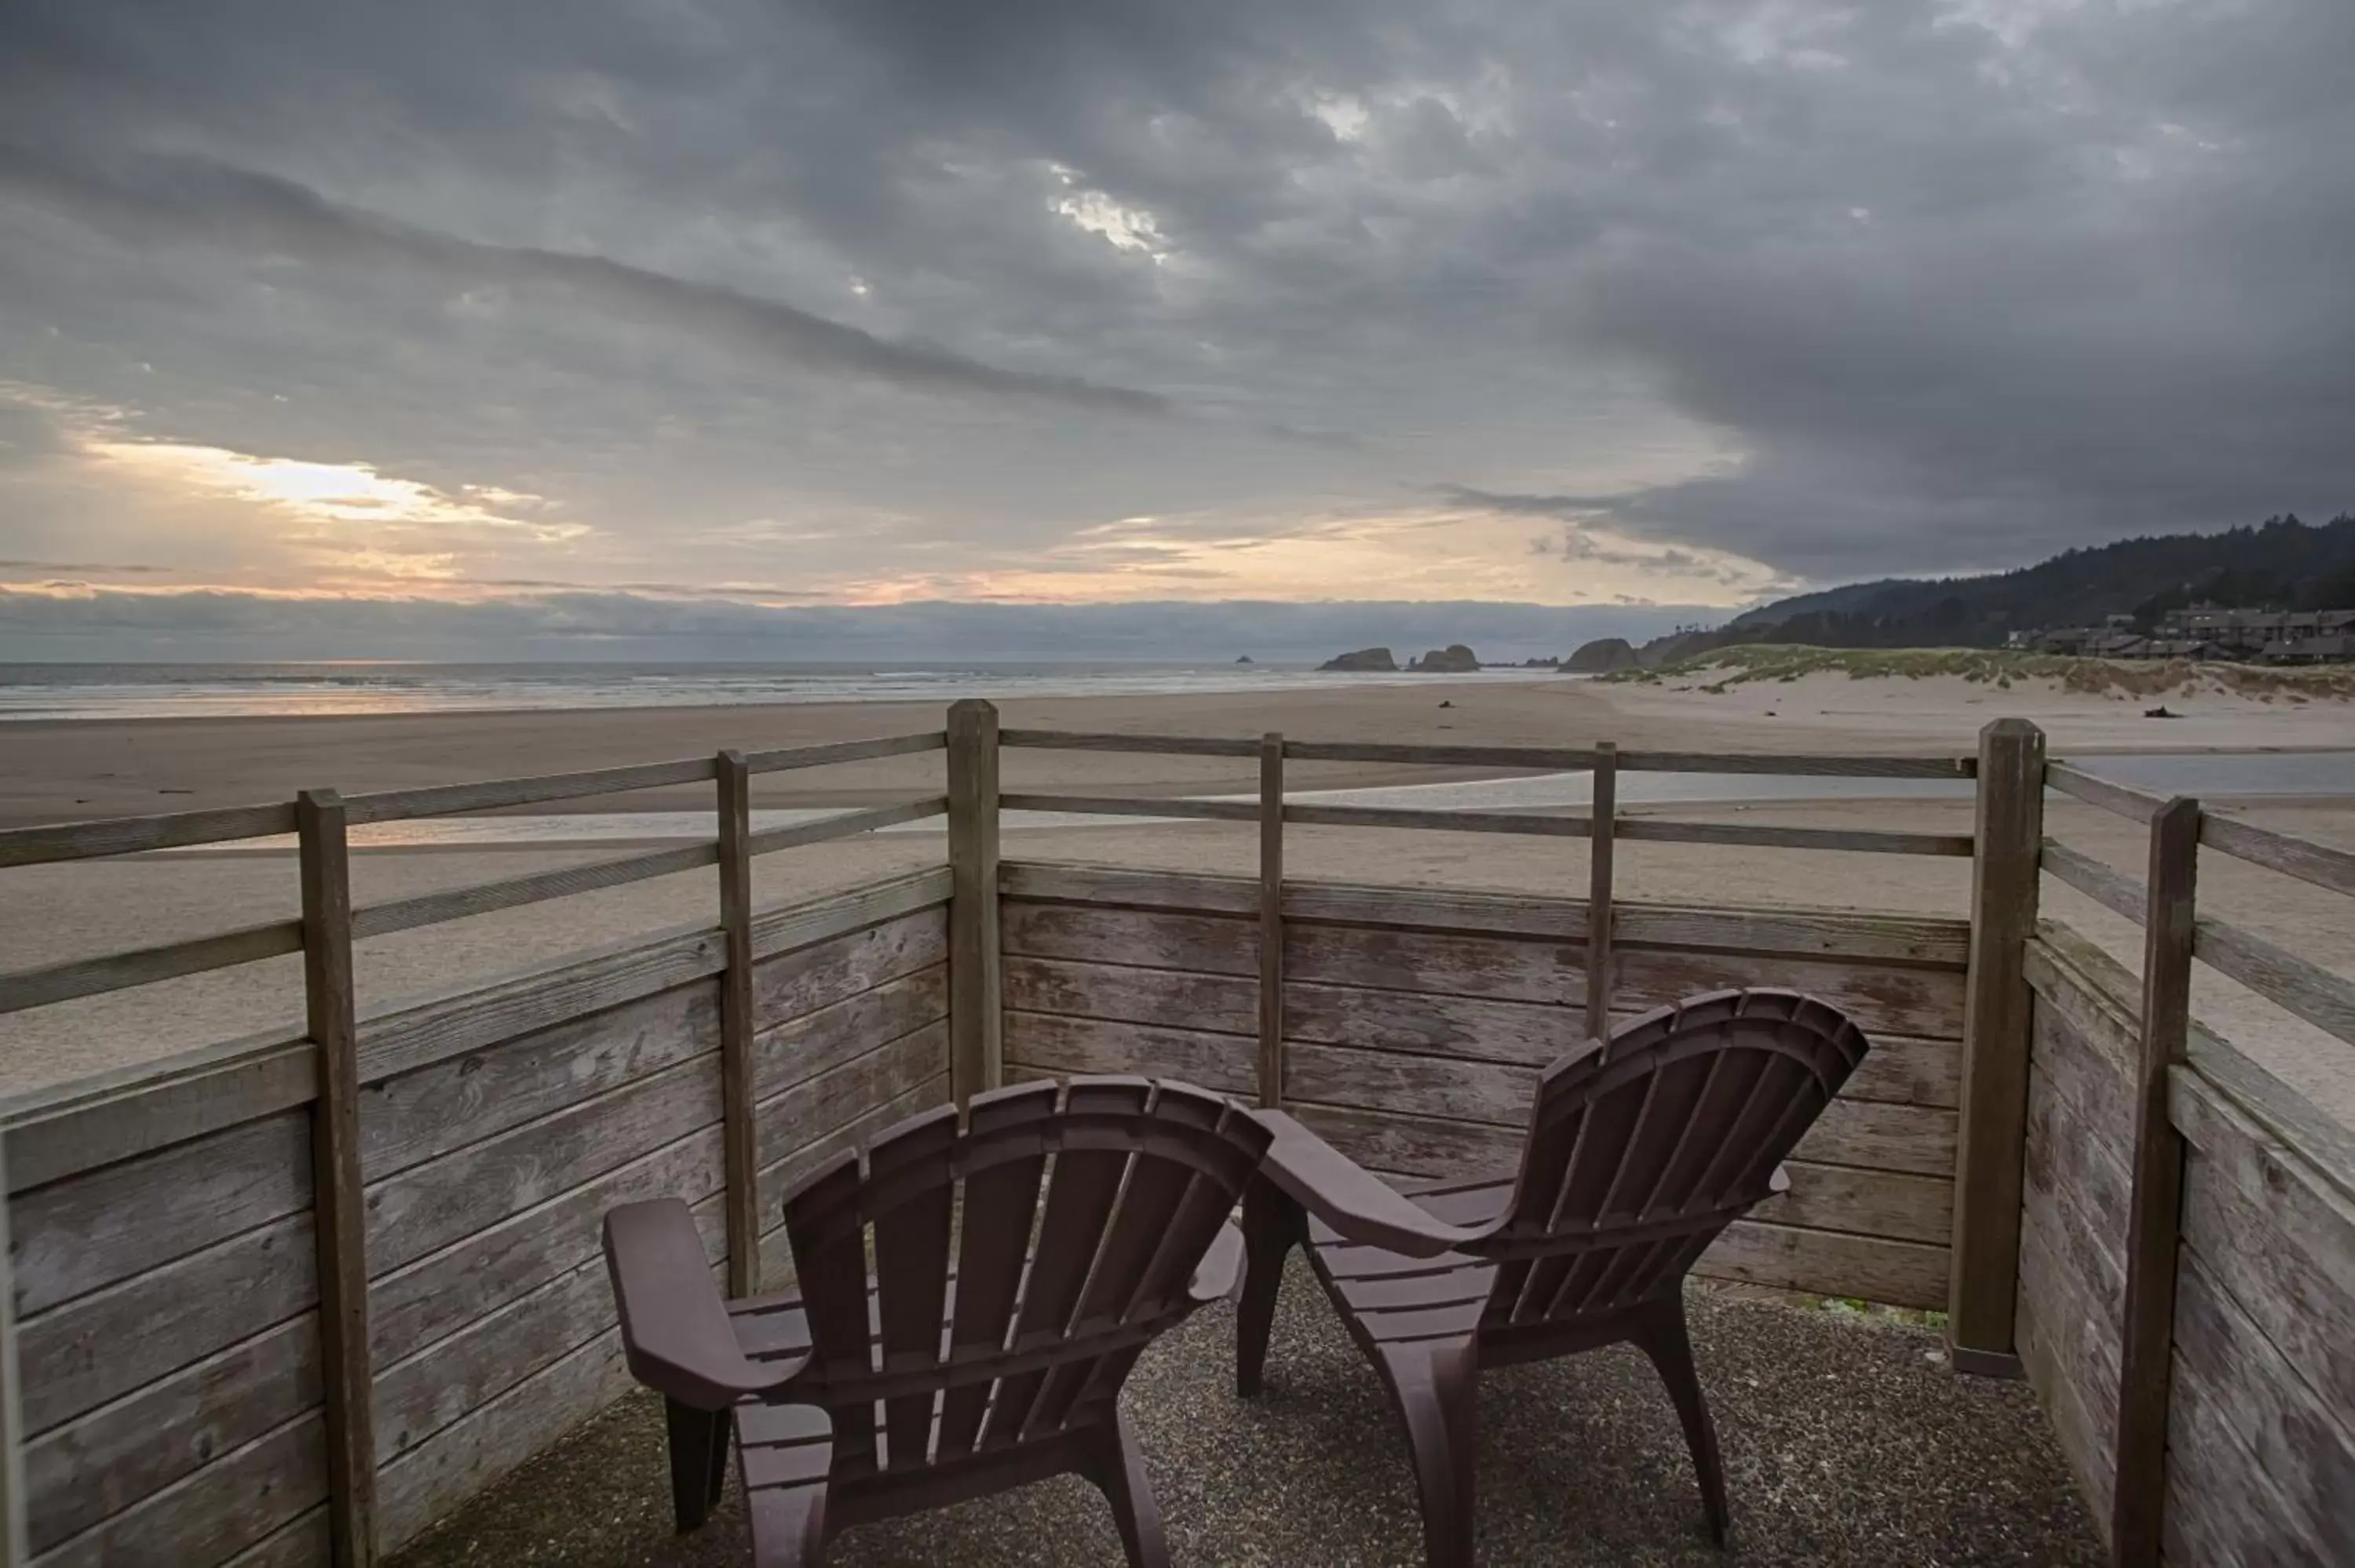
(1843, 290)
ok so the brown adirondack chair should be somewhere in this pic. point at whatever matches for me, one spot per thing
(1025, 1253)
(1640, 1151)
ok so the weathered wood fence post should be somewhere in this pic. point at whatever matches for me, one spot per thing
(341, 1227)
(1993, 1126)
(13, 1547)
(1271, 920)
(2155, 1210)
(976, 1052)
(740, 1154)
(1602, 819)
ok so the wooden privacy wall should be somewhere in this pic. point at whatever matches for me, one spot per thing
(2260, 1464)
(166, 1282)
(1416, 1021)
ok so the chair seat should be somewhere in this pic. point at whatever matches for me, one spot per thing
(1390, 1297)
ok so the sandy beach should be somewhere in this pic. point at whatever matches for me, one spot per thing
(61, 771)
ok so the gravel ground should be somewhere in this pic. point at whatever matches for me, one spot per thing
(1846, 1439)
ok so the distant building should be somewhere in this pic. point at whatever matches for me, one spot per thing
(2208, 631)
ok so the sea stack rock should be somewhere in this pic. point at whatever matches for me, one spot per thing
(1601, 657)
(1364, 659)
(1245, 659)
(1452, 660)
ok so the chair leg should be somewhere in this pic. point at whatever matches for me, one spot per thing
(1661, 1336)
(1437, 1386)
(1117, 1467)
(699, 1460)
(1270, 1227)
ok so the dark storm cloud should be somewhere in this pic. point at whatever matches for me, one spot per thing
(1845, 290)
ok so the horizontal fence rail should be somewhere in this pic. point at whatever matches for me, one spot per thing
(145, 966)
(1536, 759)
(2321, 865)
(2111, 888)
(130, 835)
(432, 908)
(2123, 800)
(2323, 999)
(847, 825)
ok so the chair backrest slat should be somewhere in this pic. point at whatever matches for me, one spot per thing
(1642, 1151)
(1001, 1209)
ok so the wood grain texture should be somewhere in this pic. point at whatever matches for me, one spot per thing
(1140, 806)
(2120, 799)
(428, 1207)
(1536, 759)
(2325, 866)
(166, 1318)
(2008, 828)
(1655, 829)
(801, 924)
(1205, 944)
(795, 984)
(1795, 765)
(81, 1472)
(2060, 1353)
(2323, 999)
(450, 799)
(483, 898)
(801, 1048)
(145, 966)
(122, 1221)
(176, 1104)
(2104, 884)
(1226, 1004)
(788, 757)
(847, 824)
(976, 1052)
(1168, 744)
(416, 1115)
(1534, 824)
(239, 1500)
(1045, 1044)
(778, 1180)
(2154, 1201)
(821, 1105)
(1829, 1262)
(131, 835)
(1881, 997)
(1887, 1203)
(422, 1302)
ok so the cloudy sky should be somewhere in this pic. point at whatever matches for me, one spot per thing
(615, 312)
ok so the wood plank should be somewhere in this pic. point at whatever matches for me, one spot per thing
(1916, 1138)
(132, 835)
(1795, 765)
(471, 1454)
(428, 1207)
(450, 799)
(1166, 745)
(1415, 1146)
(2081, 1186)
(780, 1178)
(1902, 1001)
(2008, 827)
(2104, 884)
(1132, 886)
(238, 1500)
(2051, 1328)
(1147, 806)
(2303, 1443)
(800, 925)
(976, 1052)
(53, 983)
(2323, 999)
(2224, 1505)
(411, 1118)
(2155, 1166)
(300, 1542)
(2325, 866)
(782, 758)
(1456, 820)
(1228, 1003)
(2279, 1237)
(2121, 800)
(2092, 993)
(1411, 1086)
(1437, 962)
(739, 1156)
(429, 1032)
(80, 1473)
(422, 1302)
(1534, 758)
(847, 824)
(1798, 933)
(1053, 1046)
(1468, 1028)
(1656, 830)
(813, 1109)
(800, 1049)
(14, 1496)
(157, 1322)
(2085, 1077)
(797, 983)
(122, 1221)
(177, 1105)
(511, 892)
(1270, 1085)
(1829, 1262)
(1208, 944)
(1845, 1198)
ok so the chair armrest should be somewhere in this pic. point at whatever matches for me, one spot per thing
(1221, 1268)
(675, 1329)
(1359, 1206)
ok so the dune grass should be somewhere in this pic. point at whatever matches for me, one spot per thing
(1723, 668)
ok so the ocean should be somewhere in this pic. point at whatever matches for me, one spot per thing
(30, 691)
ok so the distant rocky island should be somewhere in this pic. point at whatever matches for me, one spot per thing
(1604, 656)
(1455, 659)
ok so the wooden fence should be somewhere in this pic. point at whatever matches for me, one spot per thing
(288, 1301)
